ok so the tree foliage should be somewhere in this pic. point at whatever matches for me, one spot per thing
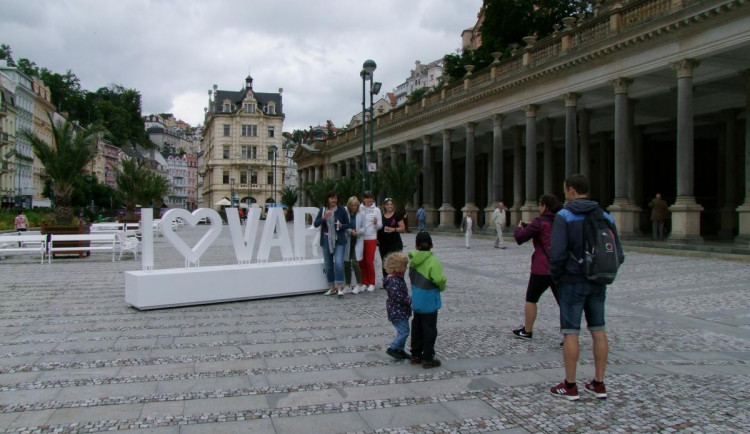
(507, 22)
(398, 183)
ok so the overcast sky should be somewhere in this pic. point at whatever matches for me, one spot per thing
(173, 51)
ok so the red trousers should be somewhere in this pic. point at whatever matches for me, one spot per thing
(367, 264)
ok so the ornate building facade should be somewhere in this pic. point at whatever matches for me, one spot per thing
(643, 97)
(242, 154)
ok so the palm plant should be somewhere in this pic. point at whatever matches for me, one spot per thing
(129, 179)
(288, 196)
(64, 161)
(317, 190)
(398, 183)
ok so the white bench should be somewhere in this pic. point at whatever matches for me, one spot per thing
(29, 244)
(86, 242)
(106, 227)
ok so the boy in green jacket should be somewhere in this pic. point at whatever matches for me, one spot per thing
(427, 282)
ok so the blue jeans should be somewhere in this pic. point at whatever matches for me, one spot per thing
(420, 225)
(584, 297)
(334, 262)
(402, 333)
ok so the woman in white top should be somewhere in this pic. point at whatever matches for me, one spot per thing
(373, 220)
(467, 226)
(354, 248)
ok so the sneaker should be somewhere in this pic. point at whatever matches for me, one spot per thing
(329, 292)
(347, 290)
(521, 333)
(371, 288)
(341, 292)
(429, 364)
(599, 390)
(404, 354)
(396, 354)
(416, 361)
(504, 247)
(571, 394)
(355, 289)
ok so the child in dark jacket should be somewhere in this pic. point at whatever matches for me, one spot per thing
(398, 304)
(427, 282)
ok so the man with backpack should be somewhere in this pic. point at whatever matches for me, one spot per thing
(585, 254)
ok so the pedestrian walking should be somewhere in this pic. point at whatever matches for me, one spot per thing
(21, 223)
(427, 282)
(421, 218)
(498, 218)
(577, 294)
(467, 227)
(659, 214)
(398, 304)
(333, 221)
(373, 220)
(540, 232)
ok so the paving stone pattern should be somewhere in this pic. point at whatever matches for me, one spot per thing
(75, 358)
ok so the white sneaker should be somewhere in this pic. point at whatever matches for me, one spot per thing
(341, 292)
(329, 292)
(371, 288)
(355, 289)
(347, 290)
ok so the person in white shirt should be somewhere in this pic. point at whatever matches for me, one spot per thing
(466, 227)
(373, 222)
(498, 217)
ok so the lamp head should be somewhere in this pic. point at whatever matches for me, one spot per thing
(365, 76)
(369, 66)
(375, 89)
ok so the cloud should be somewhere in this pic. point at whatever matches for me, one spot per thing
(173, 51)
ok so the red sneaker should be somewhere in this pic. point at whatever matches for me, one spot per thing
(571, 394)
(599, 390)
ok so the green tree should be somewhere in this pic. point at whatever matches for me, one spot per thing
(129, 179)
(318, 190)
(288, 196)
(153, 188)
(398, 183)
(7, 53)
(64, 161)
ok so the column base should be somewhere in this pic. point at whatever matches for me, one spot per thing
(744, 223)
(432, 216)
(447, 216)
(686, 220)
(515, 215)
(529, 211)
(488, 217)
(411, 218)
(627, 217)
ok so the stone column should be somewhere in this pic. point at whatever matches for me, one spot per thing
(621, 209)
(470, 175)
(496, 192)
(348, 168)
(394, 155)
(728, 216)
(571, 134)
(411, 206)
(317, 175)
(380, 154)
(447, 211)
(744, 209)
(634, 164)
(585, 155)
(490, 193)
(427, 181)
(530, 209)
(515, 211)
(549, 156)
(686, 212)
(604, 173)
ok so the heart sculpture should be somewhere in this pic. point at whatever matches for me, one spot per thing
(191, 254)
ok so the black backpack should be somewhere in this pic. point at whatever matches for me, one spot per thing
(601, 257)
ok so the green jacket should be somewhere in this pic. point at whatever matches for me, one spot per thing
(427, 281)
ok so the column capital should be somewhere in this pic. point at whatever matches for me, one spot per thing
(685, 67)
(497, 119)
(427, 140)
(447, 134)
(571, 99)
(470, 126)
(380, 151)
(394, 148)
(409, 145)
(530, 110)
(621, 84)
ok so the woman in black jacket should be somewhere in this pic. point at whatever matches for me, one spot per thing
(333, 221)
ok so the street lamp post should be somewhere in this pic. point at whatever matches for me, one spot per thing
(368, 68)
(249, 187)
(274, 148)
(231, 191)
(374, 90)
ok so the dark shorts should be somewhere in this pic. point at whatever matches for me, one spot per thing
(538, 283)
(581, 298)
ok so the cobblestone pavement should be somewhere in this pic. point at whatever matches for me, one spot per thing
(75, 358)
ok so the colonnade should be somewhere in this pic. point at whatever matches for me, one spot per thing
(621, 193)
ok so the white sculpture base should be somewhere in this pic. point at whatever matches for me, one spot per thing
(155, 289)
